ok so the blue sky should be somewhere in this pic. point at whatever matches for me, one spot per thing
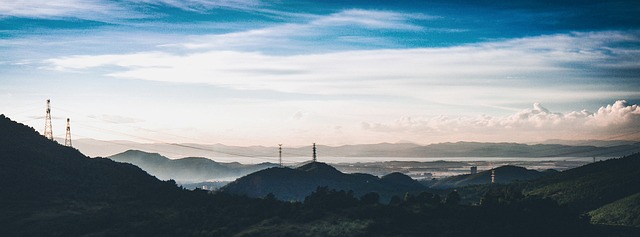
(249, 72)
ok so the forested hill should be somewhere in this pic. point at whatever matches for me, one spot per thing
(40, 170)
(504, 175)
(596, 185)
(51, 190)
(47, 189)
(295, 184)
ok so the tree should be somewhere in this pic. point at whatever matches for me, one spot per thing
(453, 198)
(428, 198)
(395, 201)
(370, 198)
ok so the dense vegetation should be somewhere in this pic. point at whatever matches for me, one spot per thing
(295, 184)
(625, 212)
(505, 174)
(591, 186)
(51, 190)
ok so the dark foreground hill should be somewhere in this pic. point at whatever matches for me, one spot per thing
(605, 186)
(296, 184)
(50, 190)
(504, 175)
(46, 185)
(186, 170)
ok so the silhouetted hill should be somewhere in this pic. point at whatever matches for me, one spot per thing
(37, 168)
(45, 184)
(594, 185)
(296, 184)
(320, 169)
(604, 185)
(186, 170)
(504, 174)
(625, 212)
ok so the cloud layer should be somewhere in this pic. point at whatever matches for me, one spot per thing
(619, 120)
(480, 71)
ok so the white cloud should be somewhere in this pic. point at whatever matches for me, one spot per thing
(200, 5)
(104, 10)
(372, 19)
(83, 9)
(485, 73)
(617, 121)
(294, 37)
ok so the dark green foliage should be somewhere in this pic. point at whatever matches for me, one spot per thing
(625, 212)
(453, 198)
(395, 201)
(501, 195)
(295, 184)
(592, 186)
(504, 175)
(329, 199)
(370, 198)
(428, 198)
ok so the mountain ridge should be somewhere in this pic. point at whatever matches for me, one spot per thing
(295, 184)
(187, 169)
(447, 149)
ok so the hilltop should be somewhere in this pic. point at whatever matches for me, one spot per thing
(295, 184)
(47, 184)
(504, 175)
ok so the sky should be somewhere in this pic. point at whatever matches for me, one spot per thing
(250, 72)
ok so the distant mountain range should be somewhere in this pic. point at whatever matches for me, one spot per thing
(598, 143)
(253, 154)
(186, 170)
(296, 184)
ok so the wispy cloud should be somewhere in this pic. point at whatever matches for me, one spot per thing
(116, 119)
(109, 11)
(495, 70)
(619, 120)
(334, 29)
(63, 8)
(373, 19)
(202, 5)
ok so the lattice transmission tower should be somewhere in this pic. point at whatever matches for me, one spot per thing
(280, 154)
(48, 133)
(314, 152)
(67, 138)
